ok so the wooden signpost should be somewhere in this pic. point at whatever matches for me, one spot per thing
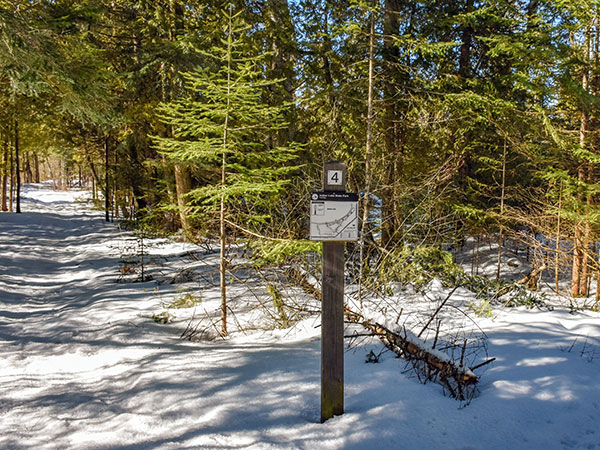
(334, 219)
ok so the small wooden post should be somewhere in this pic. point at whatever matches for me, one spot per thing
(332, 316)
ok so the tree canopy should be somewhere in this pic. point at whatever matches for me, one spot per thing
(217, 116)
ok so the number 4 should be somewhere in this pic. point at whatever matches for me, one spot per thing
(334, 177)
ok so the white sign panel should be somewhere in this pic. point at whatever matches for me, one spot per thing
(333, 216)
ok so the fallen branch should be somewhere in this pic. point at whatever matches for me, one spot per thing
(532, 274)
(435, 365)
(437, 311)
(485, 363)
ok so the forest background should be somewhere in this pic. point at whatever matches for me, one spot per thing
(457, 119)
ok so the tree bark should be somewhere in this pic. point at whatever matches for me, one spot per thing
(36, 163)
(223, 265)
(584, 285)
(5, 176)
(576, 287)
(368, 151)
(391, 216)
(464, 59)
(17, 168)
(11, 191)
(106, 182)
(183, 185)
(27, 169)
(557, 250)
(282, 43)
(501, 210)
(452, 374)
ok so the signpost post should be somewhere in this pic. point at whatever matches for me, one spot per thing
(333, 220)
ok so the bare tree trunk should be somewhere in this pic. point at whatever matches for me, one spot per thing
(183, 185)
(576, 287)
(222, 239)
(557, 253)
(28, 170)
(369, 138)
(282, 38)
(477, 254)
(392, 159)
(577, 259)
(597, 276)
(106, 182)
(223, 255)
(5, 176)
(36, 162)
(12, 182)
(17, 168)
(586, 248)
(116, 192)
(501, 211)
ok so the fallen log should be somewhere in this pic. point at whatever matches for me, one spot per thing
(531, 275)
(435, 365)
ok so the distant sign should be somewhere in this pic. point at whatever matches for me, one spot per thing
(333, 216)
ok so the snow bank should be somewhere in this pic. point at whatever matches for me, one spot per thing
(84, 365)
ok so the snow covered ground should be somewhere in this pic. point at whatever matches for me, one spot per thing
(85, 366)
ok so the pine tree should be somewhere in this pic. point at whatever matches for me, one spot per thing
(225, 130)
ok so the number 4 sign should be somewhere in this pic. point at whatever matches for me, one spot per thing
(334, 177)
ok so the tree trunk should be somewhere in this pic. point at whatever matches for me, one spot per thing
(464, 59)
(95, 178)
(584, 289)
(282, 42)
(12, 182)
(27, 170)
(36, 163)
(501, 211)
(557, 250)
(368, 143)
(106, 182)
(391, 216)
(182, 175)
(17, 168)
(223, 257)
(597, 276)
(222, 238)
(577, 253)
(183, 185)
(5, 176)
(581, 178)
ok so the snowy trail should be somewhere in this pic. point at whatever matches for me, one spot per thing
(83, 366)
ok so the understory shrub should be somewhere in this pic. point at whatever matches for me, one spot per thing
(420, 265)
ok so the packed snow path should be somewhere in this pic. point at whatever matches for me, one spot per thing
(84, 366)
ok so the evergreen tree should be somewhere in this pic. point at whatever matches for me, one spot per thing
(224, 129)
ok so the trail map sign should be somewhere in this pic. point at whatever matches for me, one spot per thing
(334, 215)
(333, 220)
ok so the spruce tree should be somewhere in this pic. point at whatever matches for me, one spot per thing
(226, 132)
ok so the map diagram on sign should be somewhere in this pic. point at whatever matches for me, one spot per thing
(334, 216)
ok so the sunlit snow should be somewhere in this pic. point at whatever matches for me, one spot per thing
(84, 366)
